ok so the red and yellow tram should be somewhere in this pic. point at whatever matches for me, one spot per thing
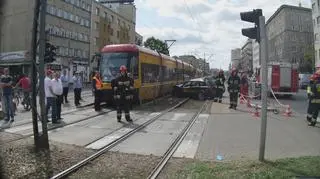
(154, 73)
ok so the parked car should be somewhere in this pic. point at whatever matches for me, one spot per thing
(304, 80)
(199, 88)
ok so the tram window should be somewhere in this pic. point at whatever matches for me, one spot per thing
(149, 73)
(134, 70)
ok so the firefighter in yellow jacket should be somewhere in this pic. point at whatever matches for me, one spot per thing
(313, 91)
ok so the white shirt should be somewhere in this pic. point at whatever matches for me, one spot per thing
(57, 86)
(47, 84)
(65, 81)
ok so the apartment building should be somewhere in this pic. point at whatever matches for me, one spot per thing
(246, 56)
(290, 34)
(235, 57)
(138, 39)
(110, 27)
(316, 29)
(68, 25)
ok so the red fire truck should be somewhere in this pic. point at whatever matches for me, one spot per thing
(283, 78)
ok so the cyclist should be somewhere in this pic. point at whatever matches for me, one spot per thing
(25, 84)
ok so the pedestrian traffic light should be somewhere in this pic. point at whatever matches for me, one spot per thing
(50, 53)
(252, 16)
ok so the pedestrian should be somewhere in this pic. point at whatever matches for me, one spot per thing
(58, 91)
(220, 80)
(313, 91)
(65, 84)
(96, 86)
(233, 88)
(123, 93)
(25, 84)
(7, 93)
(77, 88)
(50, 97)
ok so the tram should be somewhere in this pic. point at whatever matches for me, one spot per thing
(154, 73)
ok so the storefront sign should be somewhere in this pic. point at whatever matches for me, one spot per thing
(14, 55)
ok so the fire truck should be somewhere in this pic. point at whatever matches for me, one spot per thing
(283, 79)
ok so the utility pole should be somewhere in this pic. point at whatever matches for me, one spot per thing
(264, 72)
(42, 47)
(259, 33)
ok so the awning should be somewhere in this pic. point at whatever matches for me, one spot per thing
(15, 62)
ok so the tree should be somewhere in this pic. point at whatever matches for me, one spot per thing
(157, 45)
(308, 63)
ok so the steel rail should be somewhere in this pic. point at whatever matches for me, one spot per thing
(100, 152)
(176, 143)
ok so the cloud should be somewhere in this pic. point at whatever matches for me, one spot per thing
(213, 27)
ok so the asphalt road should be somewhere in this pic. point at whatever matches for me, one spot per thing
(298, 102)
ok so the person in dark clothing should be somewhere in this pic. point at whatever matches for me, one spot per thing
(220, 80)
(123, 93)
(97, 85)
(313, 91)
(233, 88)
(7, 92)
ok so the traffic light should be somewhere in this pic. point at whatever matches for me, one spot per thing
(252, 16)
(50, 53)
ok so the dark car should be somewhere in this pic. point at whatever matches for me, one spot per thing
(200, 88)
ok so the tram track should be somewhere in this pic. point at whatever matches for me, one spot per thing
(115, 142)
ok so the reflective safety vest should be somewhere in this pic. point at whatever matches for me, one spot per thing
(98, 82)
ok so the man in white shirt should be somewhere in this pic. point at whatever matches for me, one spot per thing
(50, 97)
(65, 84)
(58, 91)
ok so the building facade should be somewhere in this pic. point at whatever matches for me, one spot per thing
(110, 27)
(198, 63)
(235, 57)
(246, 57)
(290, 34)
(139, 39)
(316, 29)
(67, 26)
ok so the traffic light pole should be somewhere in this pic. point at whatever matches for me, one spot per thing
(42, 39)
(34, 73)
(264, 73)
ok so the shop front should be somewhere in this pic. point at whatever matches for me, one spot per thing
(18, 63)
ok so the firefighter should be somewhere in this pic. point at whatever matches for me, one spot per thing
(313, 91)
(220, 79)
(244, 86)
(233, 88)
(123, 93)
(97, 85)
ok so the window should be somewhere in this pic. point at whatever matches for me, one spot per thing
(72, 1)
(105, 15)
(111, 31)
(78, 53)
(71, 53)
(66, 52)
(48, 9)
(77, 19)
(89, 7)
(318, 3)
(81, 21)
(85, 38)
(318, 20)
(96, 25)
(97, 11)
(118, 21)
(71, 17)
(87, 23)
(149, 73)
(83, 5)
(60, 13)
(77, 3)
(316, 37)
(112, 18)
(118, 33)
(65, 15)
(80, 36)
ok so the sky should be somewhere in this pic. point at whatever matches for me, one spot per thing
(204, 28)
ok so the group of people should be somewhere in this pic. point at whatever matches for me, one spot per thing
(123, 89)
(234, 86)
(7, 91)
(56, 89)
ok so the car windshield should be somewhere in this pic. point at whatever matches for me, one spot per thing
(110, 64)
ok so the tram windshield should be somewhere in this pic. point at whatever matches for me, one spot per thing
(111, 62)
